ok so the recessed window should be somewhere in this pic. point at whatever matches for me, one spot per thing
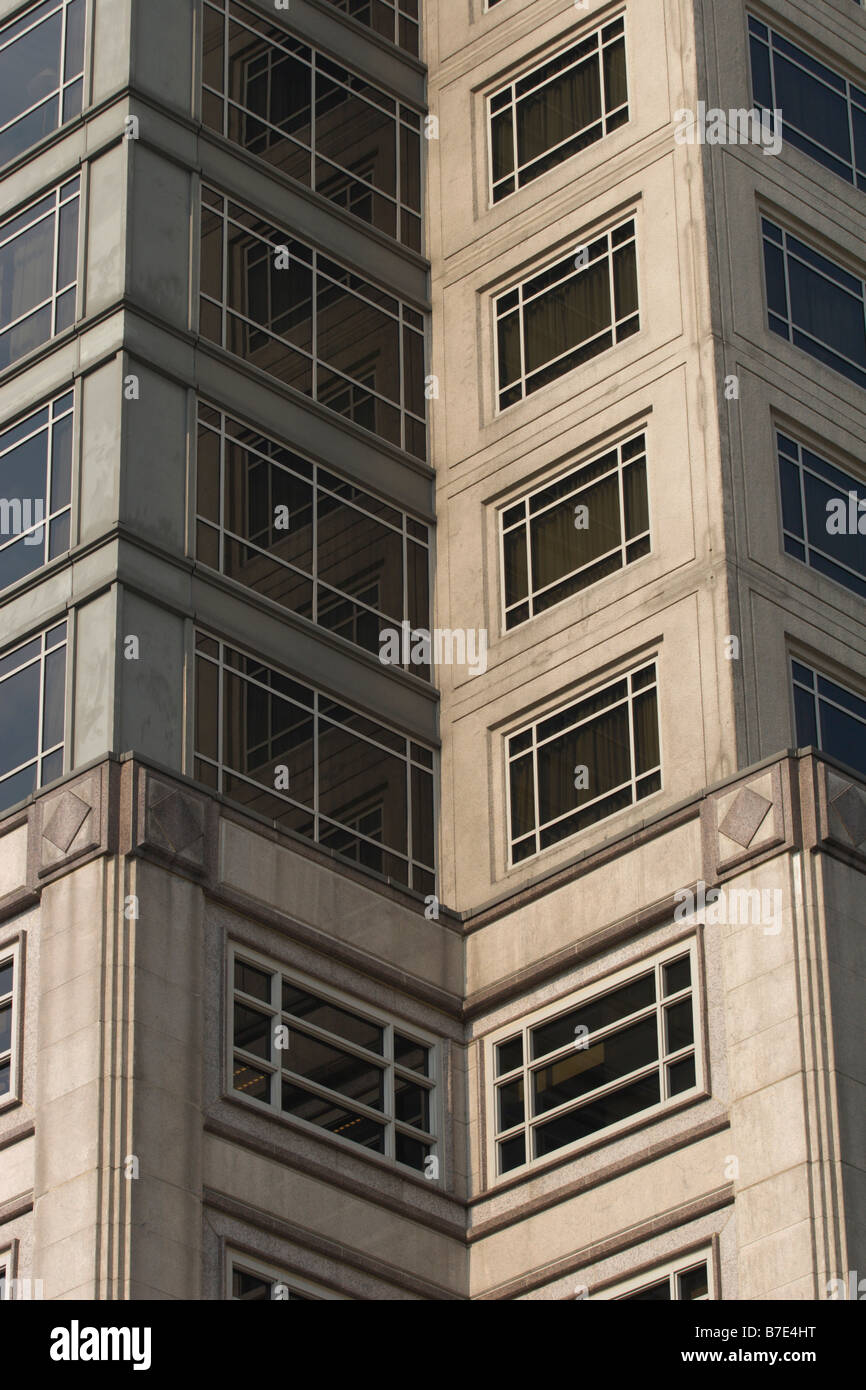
(41, 73)
(252, 1281)
(685, 1280)
(312, 323)
(823, 113)
(570, 533)
(10, 1003)
(566, 1076)
(814, 303)
(313, 119)
(32, 715)
(314, 766)
(823, 515)
(38, 269)
(557, 109)
(566, 314)
(829, 716)
(582, 763)
(316, 1058)
(35, 489)
(395, 20)
(310, 540)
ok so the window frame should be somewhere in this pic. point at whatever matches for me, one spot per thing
(846, 91)
(408, 755)
(316, 61)
(794, 335)
(235, 1259)
(565, 1004)
(561, 706)
(400, 18)
(380, 1018)
(21, 23)
(60, 643)
(325, 594)
(14, 950)
(574, 468)
(595, 30)
(57, 412)
(62, 195)
(410, 324)
(622, 1289)
(791, 449)
(819, 673)
(516, 288)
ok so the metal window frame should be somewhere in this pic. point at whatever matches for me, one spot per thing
(48, 428)
(42, 751)
(688, 946)
(406, 756)
(573, 469)
(806, 542)
(595, 31)
(65, 81)
(670, 1269)
(236, 1259)
(379, 1018)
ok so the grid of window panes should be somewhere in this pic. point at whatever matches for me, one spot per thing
(314, 766)
(303, 318)
(35, 489)
(815, 303)
(32, 715)
(313, 119)
(607, 1058)
(258, 1288)
(570, 533)
(829, 716)
(396, 20)
(310, 1057)
(38, 269)
(822, 521)
(41, 73)
(823, 113)
(689, 1285)
(583, 763)
(309, 540)
(7, 1012)
(567, 314)
(557, 109)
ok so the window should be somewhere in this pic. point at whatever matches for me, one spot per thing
(396, 20)
(35, 489)
(10, 996)
(570, 533)
(557, 109)
(38, 269)
(313, 324)
(567, 314)
(32, 715)
(306, 538)
(823, 114)
(316, 121)
(41, 73)
(305, 1053)
(829, 717)
(685, 1280)
(584, 762)
(252, 1281)
(564, 1077)
(823, 515)
(814, 303)
(313, 766)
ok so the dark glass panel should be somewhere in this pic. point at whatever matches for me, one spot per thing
(331, 1018)
(331, 1067)
(6, 975)
(337, 1119)
(598, 1114)
(54, 698)
(594, 1014)
(252, 980)
(249, 1287)
(653, 1293)
(19, 718)
(677, 975)
(250, 1081)
(582, 1070)
(510, 1102)
(411, 1103)
(512, 1153)
(412, 1055)
(252, 1031)
(681, 1076)
(509, 1054)
(679, 1026)
(410, 1151)
(5, 1027)
(693, 1284)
